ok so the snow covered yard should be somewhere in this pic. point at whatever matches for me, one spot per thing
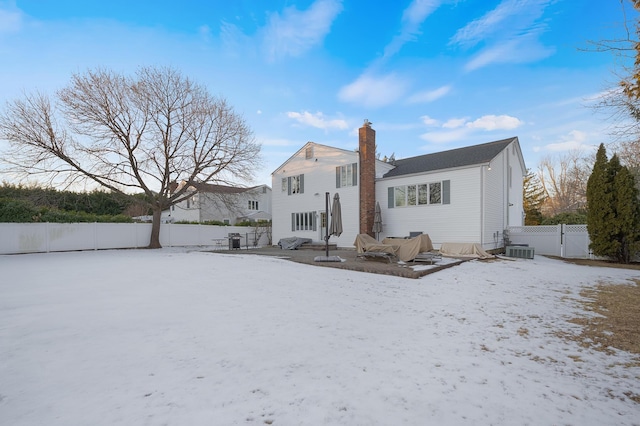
(171, 337)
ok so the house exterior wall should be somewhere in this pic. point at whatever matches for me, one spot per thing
(503, 196)
(483, 199)
(206, 206)
(185, 211)
(515, 214)
(458, 221)
(319, 177)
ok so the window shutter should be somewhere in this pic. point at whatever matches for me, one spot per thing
(391, 198)
(302, 184)
(314, 220)
(289, 185)
(293, 221)
(338, 177)
(446, 192)
(355, 174)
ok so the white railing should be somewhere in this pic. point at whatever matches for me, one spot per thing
(46, 237)
(571, 241)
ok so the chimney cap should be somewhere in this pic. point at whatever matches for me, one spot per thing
(367, 123)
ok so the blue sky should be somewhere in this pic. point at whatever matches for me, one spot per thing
(430, 75)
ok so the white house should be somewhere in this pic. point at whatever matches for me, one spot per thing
(465, 195)
(222, 203)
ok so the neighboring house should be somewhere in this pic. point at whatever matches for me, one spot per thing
(467, 195)
(222, 203)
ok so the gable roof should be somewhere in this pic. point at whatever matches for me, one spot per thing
(222, 189)
(310, 143)
(460, 157)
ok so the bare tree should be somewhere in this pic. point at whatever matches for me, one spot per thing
(621, 101)
(130, 134)
(564, 179)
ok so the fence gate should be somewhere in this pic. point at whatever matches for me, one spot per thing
(570, 241)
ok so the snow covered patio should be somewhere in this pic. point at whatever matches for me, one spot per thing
(172, 337)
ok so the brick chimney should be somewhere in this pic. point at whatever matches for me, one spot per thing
(367, 150)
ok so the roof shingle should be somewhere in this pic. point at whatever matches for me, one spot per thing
(460, 157)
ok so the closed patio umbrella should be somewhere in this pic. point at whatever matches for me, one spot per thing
(377, 221)
(336, 217)
(334, 228)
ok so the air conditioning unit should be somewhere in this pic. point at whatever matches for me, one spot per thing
(520, 252)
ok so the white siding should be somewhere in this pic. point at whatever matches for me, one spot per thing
(495, 195)
(180, 212)
(516, 197)
(207, 206)
(458, 221)
(503, 205)
(319, 178)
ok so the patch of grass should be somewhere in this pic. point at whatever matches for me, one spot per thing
(617, 323)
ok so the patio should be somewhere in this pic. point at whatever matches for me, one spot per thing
(351, 262)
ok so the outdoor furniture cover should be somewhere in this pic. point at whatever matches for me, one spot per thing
(292, 243)
(408, 248)
(365, 243)
(464, 250)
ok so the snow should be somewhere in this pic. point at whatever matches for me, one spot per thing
(178, 337)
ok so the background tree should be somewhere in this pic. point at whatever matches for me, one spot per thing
(621, 102)
(534, 197)
(130, 134)
(613, 218)
(563, 179)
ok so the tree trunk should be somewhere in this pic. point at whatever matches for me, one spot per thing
(154, 241)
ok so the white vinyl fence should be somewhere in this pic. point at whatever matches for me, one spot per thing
(46, 237)
(570, 241)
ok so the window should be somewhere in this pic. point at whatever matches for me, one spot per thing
(423, 194)
(253, 205)
(419, 195)
(347, 175)
(303, 221)
(435, 193)
(293, 184)
(411, 195)
(401, 196)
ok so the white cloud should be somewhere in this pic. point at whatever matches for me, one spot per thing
(574, 140)
(317, 120)
(511, 33)
(412, 18)
(458, 129)
(294, 32)
(495, 122)
(429, 95)
(454, 123)
(479, 29)
(277, 142)
(446, 137)
(428, 121)
(371, 91)
(10, 20)
(512, 52)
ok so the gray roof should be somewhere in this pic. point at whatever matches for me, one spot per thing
(460, 157)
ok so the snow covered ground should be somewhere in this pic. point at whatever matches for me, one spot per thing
(172, 337)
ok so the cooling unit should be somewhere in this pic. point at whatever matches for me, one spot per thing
(520, 252)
